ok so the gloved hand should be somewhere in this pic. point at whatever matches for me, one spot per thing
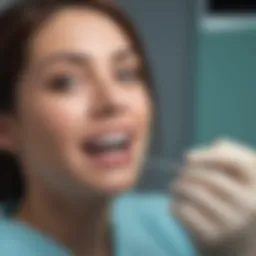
(216, 199)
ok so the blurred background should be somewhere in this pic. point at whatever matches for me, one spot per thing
(203, 58)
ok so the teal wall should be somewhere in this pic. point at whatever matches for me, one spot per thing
(225, 98)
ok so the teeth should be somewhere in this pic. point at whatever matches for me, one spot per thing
(108, 143)
(112, 139)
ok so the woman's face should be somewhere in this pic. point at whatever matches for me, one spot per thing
(84, 110)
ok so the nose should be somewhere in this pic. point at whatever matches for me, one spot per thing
(108, 100)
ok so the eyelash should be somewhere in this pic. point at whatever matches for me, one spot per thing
(62, 82)
(134, 72)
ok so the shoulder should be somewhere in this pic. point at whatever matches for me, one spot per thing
(17, 239)
(149, 215)
(13, 241)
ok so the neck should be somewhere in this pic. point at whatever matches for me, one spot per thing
(83, 227)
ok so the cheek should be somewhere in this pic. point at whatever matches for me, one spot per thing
(52, 122)
(63, 115)
(142, 107)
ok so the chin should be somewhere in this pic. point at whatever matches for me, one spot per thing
(117, 187)
(108, 182)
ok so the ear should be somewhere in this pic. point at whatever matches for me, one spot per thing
(8, 136)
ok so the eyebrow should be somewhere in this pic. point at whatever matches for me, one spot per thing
(72, 57)
(82, 59)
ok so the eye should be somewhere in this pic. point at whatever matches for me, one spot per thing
(128, 75)
(64, 82)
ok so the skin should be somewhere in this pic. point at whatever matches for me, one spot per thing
(103, 89)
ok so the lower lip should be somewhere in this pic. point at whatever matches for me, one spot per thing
(115, 159)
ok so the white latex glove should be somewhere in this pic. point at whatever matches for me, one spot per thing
(216, 199)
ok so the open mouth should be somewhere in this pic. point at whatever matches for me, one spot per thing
(110, 149)
(108, 143)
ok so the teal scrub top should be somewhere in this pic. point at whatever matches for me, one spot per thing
(142, 226)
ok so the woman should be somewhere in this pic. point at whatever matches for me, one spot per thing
(76, 111)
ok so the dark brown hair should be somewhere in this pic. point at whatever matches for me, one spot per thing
(18, 23)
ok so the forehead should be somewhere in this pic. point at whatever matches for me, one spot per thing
(81, 30)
